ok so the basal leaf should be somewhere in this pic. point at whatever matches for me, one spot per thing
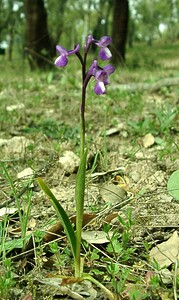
(62, 216)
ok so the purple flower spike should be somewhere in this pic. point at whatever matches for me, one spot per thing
(109, 69)
(105, 53)
(102, 78)
(100, 86)
(89, 41)
(62, 60)
(103, 43)
(93, 68)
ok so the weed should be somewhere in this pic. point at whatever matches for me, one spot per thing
(161, 121)
(165, 118)
(53, 129)
(61, 257)
(7, 280)
(119, 242)
(118, 247)
(23, 215)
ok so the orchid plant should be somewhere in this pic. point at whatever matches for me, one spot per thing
(101, 76)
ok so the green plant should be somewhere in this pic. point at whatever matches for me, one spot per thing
(138, 293)
(7, 280)
(23, 214)
(119, 242)
(52, 129)
(119, 247)
(37, 239)
(143, 126)
(61, 257)
(165, 117)
(119, 277)
(101, 76)
(160, 122)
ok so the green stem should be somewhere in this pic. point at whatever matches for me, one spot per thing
(84, 67)
(80, 183)
(108, 293)
(79, 196)
(82, 134)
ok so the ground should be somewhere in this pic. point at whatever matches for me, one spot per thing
(133, 149)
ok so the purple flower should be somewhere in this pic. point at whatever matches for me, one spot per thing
(101, 75)
(103, 43)
(89, 41)
(62, 60)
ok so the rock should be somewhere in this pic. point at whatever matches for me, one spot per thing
(69, 162)
(15, 146)
(115, 130)
(148, 140)
(136, 176)
(3, 142)
(26, 173)
(139, 155)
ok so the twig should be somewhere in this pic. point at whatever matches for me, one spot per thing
(175, 280)
(151, 87)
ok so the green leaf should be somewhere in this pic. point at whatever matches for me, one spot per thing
(62, 216)
(94, 254)
(173, 185)
(114, 246)
(79, 197)
(14, 244)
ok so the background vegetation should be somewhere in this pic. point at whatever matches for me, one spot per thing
(71, 21)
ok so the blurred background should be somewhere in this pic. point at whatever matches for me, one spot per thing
(31, 29)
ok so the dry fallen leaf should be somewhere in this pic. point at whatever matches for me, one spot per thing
(70, 280)
(96, 237)
(112, 193)
(74, 291)
(167, 252)
(57, 229)
(27, 297)
(7, 211)
(165, 295)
